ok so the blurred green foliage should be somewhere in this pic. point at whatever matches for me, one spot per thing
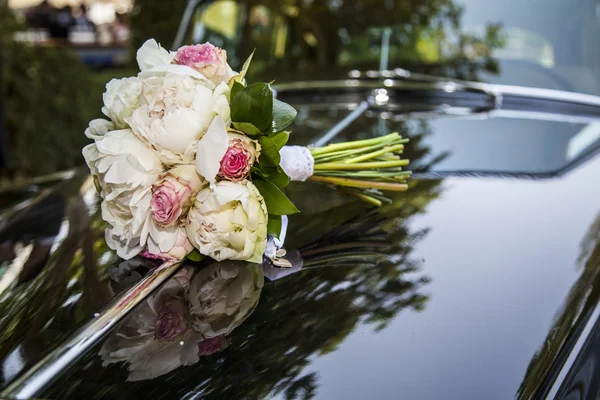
(155, 19)
(49, 98)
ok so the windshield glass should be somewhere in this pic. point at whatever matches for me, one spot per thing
(538, 43)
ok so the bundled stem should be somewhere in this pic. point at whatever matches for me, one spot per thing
(364, 166)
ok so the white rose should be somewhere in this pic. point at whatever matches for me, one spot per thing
(229, 222)
(149, 339)
(175, 111)
(125, 169)
(121, 98)
(222, 295)
(98, 128)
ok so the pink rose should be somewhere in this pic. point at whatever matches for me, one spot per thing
(178, 252)
(171, 322)
(172, 194)
(207, 59)
(239, 158)
(213, 345)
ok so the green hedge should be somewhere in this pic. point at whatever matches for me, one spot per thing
(49, 98)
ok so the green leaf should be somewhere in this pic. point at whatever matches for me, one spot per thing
(280, 138)
(269, 153)
(195, 256)
(254, 105)
(247, 128)
(279, 178)
(247, 65)
(274, 225)
(235, 89)
(283, 115)
(277, 202)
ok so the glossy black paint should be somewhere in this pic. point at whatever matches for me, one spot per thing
(466, 288)
(62, 282)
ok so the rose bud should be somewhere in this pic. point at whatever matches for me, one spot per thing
(172, 194)
(207, 59)
(239, 158)
(212, 345)
(178, 252)
(171, 320)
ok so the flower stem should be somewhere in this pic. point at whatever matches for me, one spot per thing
(353, 145)
(369, 156)
(361, 166)
(396, 187)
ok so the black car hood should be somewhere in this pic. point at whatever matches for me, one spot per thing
(462, 287)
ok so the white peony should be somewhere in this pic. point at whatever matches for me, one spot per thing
(152, 55)
(222, 295)
(156, 338)
(229, 222)
(125, 169)
(121, 98)
(175, 111)
(98, 128)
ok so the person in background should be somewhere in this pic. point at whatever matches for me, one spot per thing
(63, 22)
(41, 16)
(82, 20)
(120, 28)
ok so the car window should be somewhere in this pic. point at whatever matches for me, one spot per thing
(497, 42)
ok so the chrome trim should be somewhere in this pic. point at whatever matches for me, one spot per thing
(33, 382)
(340, 126)
(39, 180)
(574, 353)
(448, 85)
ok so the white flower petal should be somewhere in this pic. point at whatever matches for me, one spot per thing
(151, 55)
(211, 149)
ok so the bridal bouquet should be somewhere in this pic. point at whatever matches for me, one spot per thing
(194, 157)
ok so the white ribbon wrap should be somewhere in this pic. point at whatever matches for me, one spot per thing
(297, 162)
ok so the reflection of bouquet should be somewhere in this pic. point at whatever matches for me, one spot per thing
(194, 157)
(190, 316)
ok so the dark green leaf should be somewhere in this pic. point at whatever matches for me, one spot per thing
(235, 89)
(277, 203)
(283, 115)
(274, 225)
(195, 256)
(254, 105)
(280, 138)
(269, 153)
(279, 178)
(247, 128)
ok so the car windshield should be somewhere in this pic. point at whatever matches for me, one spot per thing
(539, 43)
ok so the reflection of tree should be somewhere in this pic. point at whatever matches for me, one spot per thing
(357, 270)
(330, 35)
(34, 315)
(582, 298)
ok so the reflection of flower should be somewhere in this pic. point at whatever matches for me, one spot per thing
(152, 341)
(223, 295)
(173, 328)
(212, 345)
(171, 320)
